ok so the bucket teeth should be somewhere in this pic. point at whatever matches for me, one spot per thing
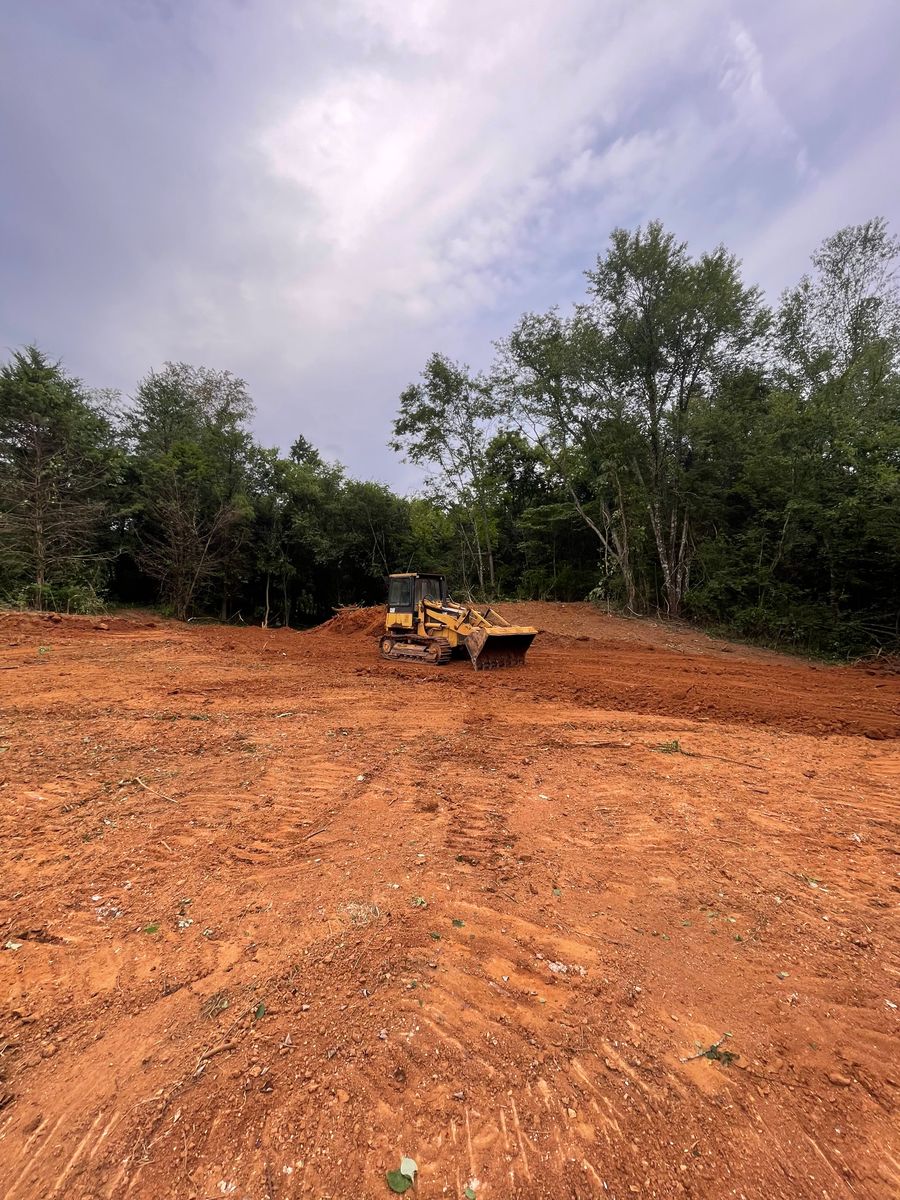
(492, 651)
(491, 661)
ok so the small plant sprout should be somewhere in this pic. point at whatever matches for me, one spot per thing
(714, 1052)
(673, 747)
(403, 1179)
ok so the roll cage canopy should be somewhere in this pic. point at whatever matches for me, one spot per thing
(407, 591)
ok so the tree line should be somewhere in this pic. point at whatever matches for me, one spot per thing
(169, 500)
(674, 444)
(668, 444)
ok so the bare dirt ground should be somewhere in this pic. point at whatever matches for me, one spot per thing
(276, 912)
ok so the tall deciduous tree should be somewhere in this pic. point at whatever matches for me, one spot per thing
(551, 378)
(190, 442)
(445, 423)
(668, 325)
(838, 381)
(608, 392)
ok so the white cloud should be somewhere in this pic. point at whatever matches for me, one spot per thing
(424, 174)
(454, 151)
(863, 186)
(318, 195)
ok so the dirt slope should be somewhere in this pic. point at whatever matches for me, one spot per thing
(277, 912)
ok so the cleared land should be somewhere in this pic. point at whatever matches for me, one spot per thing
(276, 912)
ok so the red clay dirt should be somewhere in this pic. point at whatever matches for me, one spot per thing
(276, 912)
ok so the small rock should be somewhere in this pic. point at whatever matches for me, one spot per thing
(342, 1096)
(255, 1071)
(839, 1080)
(572, 1113)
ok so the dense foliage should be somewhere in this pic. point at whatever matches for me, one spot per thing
(670, 444)
(673, 444)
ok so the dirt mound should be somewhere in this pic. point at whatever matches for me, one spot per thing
(561, 624)
(354, 620)
(73, 623)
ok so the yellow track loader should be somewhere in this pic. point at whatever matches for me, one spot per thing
(423, 625)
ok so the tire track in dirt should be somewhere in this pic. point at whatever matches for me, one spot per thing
(679, 881)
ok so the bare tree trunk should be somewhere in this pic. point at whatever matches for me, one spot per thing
(662, 554)
(40, 550)
(477, 553)
(488, 548)
(265, 623)
(623, 552)
(490, 561)
(615, 544)
(674, 555)
(462, 565)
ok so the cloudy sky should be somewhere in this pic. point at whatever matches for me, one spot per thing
(316, 194)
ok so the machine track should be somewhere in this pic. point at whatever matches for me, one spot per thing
(436, 651)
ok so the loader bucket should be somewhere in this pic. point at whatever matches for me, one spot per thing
(500, 647)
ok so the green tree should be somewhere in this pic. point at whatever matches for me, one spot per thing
(59, 467)
(608, 393)
(190, 454)
(838, 338)
(543, 547)
(668, 325)
(551, 376)
(797, 471)
(445, 423)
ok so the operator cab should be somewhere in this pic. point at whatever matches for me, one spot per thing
(406, 592)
